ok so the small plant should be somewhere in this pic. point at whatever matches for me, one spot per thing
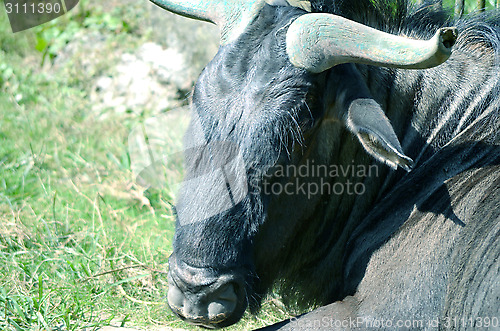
(52, 37)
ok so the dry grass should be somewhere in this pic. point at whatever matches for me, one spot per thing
(82, 245)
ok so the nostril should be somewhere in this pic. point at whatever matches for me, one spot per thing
(222, 302)
(214, 306)
(227, 292)
(201, 298)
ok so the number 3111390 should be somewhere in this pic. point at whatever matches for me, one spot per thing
(32, 8)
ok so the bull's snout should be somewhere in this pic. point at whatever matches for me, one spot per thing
(201, 298)
(205, 308)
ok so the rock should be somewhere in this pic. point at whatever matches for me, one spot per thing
(137, 83)
(85, 47)
(160, 74)
(169, 65)
(157, 76)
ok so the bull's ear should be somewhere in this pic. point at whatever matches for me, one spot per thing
(363, 116)
(368, 122)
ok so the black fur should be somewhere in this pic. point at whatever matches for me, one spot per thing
(249, 93)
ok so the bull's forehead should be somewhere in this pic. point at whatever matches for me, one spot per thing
(251, 79)
(251, 97)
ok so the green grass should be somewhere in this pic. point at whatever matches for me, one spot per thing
(81, 245)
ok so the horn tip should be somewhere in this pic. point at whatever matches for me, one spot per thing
(448, 37)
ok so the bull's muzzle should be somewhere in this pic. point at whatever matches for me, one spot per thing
(202, 297)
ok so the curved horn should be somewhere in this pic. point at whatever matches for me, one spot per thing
(319, 41)
(302, 4)
(232, 16)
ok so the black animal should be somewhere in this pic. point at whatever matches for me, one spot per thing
(286, 185)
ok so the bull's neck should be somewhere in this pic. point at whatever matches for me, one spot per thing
(334, 185)
(360, 175)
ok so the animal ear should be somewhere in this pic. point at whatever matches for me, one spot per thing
(368, 122)
(363, 116)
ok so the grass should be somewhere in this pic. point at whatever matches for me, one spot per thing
(81, 244)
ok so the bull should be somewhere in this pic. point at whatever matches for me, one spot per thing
(318, 164)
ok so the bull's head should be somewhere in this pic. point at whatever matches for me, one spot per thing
(263, 78)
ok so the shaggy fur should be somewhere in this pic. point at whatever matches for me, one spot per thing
(248, 94)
